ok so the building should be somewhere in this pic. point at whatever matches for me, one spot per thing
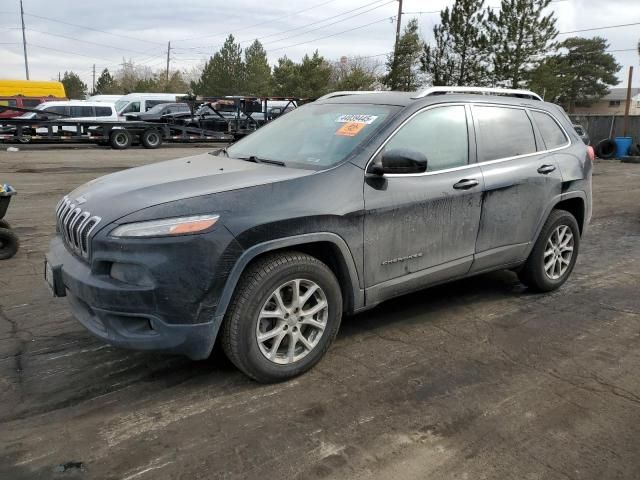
(613, 103)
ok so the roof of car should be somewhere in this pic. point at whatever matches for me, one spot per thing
(403, 99)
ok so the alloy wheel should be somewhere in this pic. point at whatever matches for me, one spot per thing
(292, 321)
(558, 252)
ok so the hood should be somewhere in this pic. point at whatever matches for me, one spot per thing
(118, 194)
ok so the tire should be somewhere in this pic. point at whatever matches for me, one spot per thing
(534, 274)
(255, 294)
(120, 139)
(634, 150)
(4, 224)
(151, 138)
(9, 243)
(606, 149)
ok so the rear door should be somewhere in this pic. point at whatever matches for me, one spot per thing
(521, 177)
(422, 228)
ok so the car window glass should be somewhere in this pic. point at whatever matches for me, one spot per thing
(55, 109)
(503, 132)
(81, 111)
(132, 107)
(439, 133)
(30, 103)
(103, 111)
(551, 132)
(149, 104)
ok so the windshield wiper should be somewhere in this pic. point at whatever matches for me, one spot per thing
(255, 159)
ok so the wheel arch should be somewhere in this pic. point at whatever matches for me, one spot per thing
(327, 247)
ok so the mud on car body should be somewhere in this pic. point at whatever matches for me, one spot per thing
(330, 209)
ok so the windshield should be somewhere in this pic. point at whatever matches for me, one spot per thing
(314, 136)
(32, 114)
(158, 108)
(120, 104)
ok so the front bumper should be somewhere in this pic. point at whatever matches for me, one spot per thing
(126, 315)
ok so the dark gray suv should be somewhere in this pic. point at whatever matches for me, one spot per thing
(331, 209)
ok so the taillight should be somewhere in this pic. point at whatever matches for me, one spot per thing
(591, 153)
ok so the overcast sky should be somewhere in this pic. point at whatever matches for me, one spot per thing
(140, 30)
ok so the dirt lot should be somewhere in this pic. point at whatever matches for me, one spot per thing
(474, 380)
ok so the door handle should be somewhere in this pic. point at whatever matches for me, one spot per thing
(466, 184)
(545, 169)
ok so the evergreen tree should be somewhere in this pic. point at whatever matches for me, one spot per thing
(459, 56)
(106, 84)
(257, 75)
(580, 75)
(519, 35)
(223, 74)
(354, 74)
(286, 77)
(74, 86)
(402, 64)
(314, 76)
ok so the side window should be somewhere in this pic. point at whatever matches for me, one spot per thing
(30, 102)
(83, 111)
(503, 132)
(149, 104)
(55, 109)
(439, 133)
(551, 132)
(132, 107)
(103, 111)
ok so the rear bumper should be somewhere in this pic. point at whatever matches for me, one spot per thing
(122, 315)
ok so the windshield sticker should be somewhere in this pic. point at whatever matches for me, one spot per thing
(355, 118)
(350, 129)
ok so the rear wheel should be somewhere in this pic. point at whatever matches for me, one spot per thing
(8, 243)
(554, 253)
(151, 138)
(120, 139)
(284, 315)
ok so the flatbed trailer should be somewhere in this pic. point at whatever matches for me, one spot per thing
(119, 135)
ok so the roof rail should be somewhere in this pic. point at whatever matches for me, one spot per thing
(348, 92)
(509, 92)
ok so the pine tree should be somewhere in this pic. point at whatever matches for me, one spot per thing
(315, 74)
(519, 35)
(286, 77)
(580, 75)
(223, 74)
(459, 56)
(74, 86)
(257, 70)
(106, 84)
(402, 64)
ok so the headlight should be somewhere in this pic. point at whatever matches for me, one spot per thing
(166, 227)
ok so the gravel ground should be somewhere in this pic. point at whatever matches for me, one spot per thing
(478, 379)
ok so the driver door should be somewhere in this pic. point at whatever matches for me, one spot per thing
(421, 228)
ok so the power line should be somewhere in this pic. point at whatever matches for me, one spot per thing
(599, 28)
(385, 19)
(329, 24)
(293, 14)
(86, 41)
(49, 19)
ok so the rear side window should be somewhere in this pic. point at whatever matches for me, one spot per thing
(551, 132)
(103, 112)
(56, 109)
(81, 111)
(30, 103)
(503, 132)
(439, 133)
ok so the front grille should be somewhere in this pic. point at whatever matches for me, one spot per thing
(75, 226)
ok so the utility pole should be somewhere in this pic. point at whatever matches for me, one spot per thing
(24, 42)
(168, 58)
(628, 103)
(398, 25)
(93, 90)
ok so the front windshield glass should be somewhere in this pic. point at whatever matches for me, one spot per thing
(120, 104)
(315, 136)
(158, 108)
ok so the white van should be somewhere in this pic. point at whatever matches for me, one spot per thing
(141, 102)
(74, 110)
(105, 98)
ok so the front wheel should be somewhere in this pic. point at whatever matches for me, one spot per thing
(554, 253)
(285, 313)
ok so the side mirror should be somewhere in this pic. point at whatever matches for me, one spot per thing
(399, 160)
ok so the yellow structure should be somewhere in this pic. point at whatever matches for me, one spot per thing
(31, 88)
